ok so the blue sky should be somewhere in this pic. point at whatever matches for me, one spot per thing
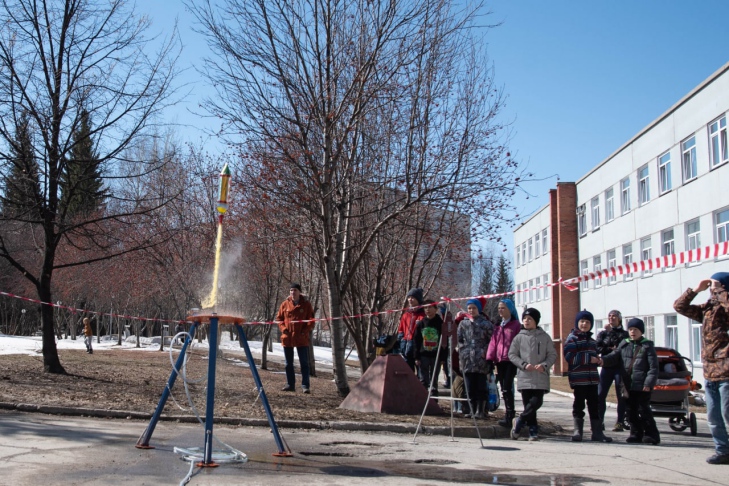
(582, 76)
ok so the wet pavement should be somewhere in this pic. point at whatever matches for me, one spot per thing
(37, 449)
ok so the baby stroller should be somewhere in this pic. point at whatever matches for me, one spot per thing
(670, 397)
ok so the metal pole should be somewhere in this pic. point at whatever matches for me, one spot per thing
(143, 442)
(282, 450)
(210, 409)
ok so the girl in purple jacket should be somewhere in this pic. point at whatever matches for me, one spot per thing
(498, 353)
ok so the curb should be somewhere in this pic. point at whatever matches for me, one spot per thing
(487, 431)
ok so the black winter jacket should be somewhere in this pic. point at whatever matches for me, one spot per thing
(645, 365)
(610, 339)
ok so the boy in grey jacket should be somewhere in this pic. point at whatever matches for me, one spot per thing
(639, 365)
(533, 353)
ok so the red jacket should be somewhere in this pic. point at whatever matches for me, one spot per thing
(295, 334)
(406, 329)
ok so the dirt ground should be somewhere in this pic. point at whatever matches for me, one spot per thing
(133, 381)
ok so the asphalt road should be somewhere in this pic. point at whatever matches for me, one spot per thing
(38, 449)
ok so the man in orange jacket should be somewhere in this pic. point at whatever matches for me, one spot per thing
(295, 321)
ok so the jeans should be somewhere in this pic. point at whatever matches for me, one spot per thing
(303, 352)
(717, 413)
(426, 370)
(607, 376)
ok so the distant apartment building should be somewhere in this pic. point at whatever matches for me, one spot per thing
(663, 192)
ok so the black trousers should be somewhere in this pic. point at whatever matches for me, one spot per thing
(640, 416)
(532, 400)
(476, 385)
(505, 374)
(586, 394)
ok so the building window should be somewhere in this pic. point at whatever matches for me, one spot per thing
(531, 250)
(517, 253)
(627, 260)
(664, 172)
(595, 206)
(650, 328)
(717, 137)
(722, 226)
(581, 221)
(671, 332)
(531, 290)
(597, 267)
(609, 206)
(584, 271)
(693, 235)
(667, 243)
(537, 283)
(523, 253)
(688, 160)
(695, 341)
(537, 246)
(644, 193)
(646, 253)
(544, 240)
(612, 262)
(625, 195)
(546, 288)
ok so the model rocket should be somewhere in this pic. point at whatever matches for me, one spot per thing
(222, 206)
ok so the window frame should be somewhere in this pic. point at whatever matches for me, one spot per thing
(537, 249)
(646, 253)
(721, 227)
(628, 260)
(609, 205)
(581, 220)
(644, 190)
(595, 213)
(720, 135)
(584, 270)
(612, 263)
(689, 151)
(545, 279)
(545, 233)
(664, 173)
(671, 330)
(695, 334)
(625, 196)
(596, 268)
(696, 233)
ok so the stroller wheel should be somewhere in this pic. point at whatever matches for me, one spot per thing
(677, 424)
(692, 423)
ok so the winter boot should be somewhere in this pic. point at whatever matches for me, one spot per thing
(516, 429)
(483, 412)
(597, 434)
(636, 434)
(507, 420)
(652, 436)
(579, 426)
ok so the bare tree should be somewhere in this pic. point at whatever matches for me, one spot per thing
(62, 60)
(350, 109)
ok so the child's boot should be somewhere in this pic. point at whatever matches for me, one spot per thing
(636, 434)
(516, 429)
(597, 433)
(507, 420)
(579, 425)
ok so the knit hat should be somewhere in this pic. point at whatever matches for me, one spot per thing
(617, 313)
(417, 293)
(533, 313)
(722, 277)
(295, 286)
(475, 302)
(637, 323)
(512, 308)
(584, 314)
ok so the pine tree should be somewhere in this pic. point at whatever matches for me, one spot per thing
(82, 186)
(22, 196)
(504, 282)
(486, 285)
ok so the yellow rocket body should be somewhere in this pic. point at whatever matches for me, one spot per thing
(222, 205)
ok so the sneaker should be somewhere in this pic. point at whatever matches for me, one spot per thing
(533, 438)
(306, 390)
(288, 388)
(618, 427)
(533, 433)
(651, 440)
(718, 459)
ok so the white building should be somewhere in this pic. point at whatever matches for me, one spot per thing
(665, 191)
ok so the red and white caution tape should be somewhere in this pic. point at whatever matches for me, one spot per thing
(699, 255)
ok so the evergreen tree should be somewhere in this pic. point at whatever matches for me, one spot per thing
(504, 283)
(486, 285)
(82, 186)
(22, 195)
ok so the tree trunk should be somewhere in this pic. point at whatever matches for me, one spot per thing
(51, 361)
(335, 310)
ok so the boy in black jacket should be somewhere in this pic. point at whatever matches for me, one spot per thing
(639, 364)
(427, 340)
